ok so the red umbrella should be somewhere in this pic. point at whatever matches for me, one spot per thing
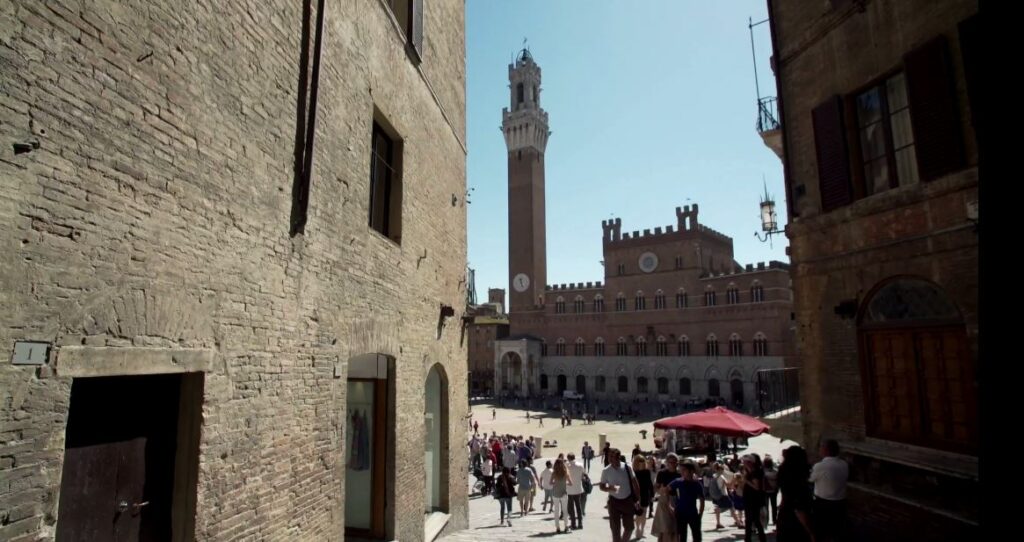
(717, 420)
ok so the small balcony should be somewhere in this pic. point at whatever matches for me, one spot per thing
(768, 124)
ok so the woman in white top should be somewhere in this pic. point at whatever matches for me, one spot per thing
(560, 479)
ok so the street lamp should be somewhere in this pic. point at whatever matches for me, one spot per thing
(769, 222)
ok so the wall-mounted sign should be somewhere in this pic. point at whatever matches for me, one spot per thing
(30, 353)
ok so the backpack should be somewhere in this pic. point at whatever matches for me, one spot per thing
(587, 485)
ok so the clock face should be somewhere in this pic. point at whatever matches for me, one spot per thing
(521, 282)
(648, 262)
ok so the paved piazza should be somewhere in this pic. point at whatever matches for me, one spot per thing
(484, 511)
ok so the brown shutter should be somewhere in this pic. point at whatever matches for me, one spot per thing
(969, 54)
(416, 34)
(933, 110)
(833, 157)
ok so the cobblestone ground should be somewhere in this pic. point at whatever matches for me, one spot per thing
(484, 511)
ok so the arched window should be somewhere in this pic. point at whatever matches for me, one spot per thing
(659, 299)
(622, 269)
(520, 93)
(713, 390)
(918, 367)
(684, 386)
(598, 303)
(681, 300)
(560, 347)
(756, 292)
(641, 384)
(599, 346)
(641, 346)
(662, 385)
(560, 305)
(711, 347)
(679, 262)
(641, 301)
(543, 382)
(581, 384)
(599, 383)
(661, 347)
(735, 345)
(578, 304)
(620, 302)
(621, 347)
(760, 344)
(623, 384)
(580, 348)
(732, 295)
(709, 297)
(543, 348)
(684, 345)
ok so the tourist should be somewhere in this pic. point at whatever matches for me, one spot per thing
(753, 497)
(487, 472)
(561, 480)
(533, 490)
(771, 489)
(687, 491)
(588, 455)
(527, 481)
(576, 492)
(643, 478)
(736, 494)
(664, 524)
(718, 491)
(494, 414)
(606, 454)
(623, 494)
(504, 489)
(652, 471)
(794, 519)
(829, 477)
(545, 484)
(476, 427)
(509, 458)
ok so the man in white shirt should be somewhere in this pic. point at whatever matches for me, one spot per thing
(545, 484)
(575, 492)
(616, 480)
(829, 477)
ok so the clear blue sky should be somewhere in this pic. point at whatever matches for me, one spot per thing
(651, 103)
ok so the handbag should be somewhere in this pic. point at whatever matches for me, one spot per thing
(587, 485)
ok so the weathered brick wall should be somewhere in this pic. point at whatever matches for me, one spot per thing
(155, 212)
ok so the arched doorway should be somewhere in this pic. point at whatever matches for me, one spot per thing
(713, 390)
(562, 384)
(436, 445)
(736, 392)
(581, 384)
(918, 374)
(511, 368)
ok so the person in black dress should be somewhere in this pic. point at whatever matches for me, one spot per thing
(794, 519)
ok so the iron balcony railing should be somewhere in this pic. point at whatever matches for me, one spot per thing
(767, 114)
(778, 390)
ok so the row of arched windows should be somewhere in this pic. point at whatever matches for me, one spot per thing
(732, 297)
(662, 347)
(642, 384)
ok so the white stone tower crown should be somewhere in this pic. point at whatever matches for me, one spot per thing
(524, 123)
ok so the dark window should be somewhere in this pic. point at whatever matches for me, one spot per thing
(599, 383)
(543, 382)
(661, 347)
(659, 301)
(756, 294)
(684, 386)
(622, 269)
(641, 348)
(732, 296)
(641, 302)
(833, 157)
(580, 349)
(713, 390)
(620, 304)
(679, 262)
(709, 299)
(559, 307)
(621, 349)
(599, 348)
(579, 305)
(543, 349)
(684, 348)
(599, 304)
(735, 347)
(385, 186)
(641, 384)
(623, 384)
(711, 348)
(760, 346)
(560, 349)
(409, 14)
(681, 301)
(663, 385)
(519, 94)
(886, 137)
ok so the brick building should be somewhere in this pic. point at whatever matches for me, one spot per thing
(881, 157)
(489, 323)
(235, 235)
(675, 318)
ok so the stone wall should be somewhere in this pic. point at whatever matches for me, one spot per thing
(154, 213)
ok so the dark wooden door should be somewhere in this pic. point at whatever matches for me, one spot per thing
(118, 473)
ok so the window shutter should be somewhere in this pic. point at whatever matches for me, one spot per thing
(933, 110)
(969, 54)
(417, 29)
(833, 157)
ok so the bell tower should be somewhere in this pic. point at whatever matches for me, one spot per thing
(525, 126)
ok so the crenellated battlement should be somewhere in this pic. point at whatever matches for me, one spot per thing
(686, 221)
(759, 267)
(574, 286)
